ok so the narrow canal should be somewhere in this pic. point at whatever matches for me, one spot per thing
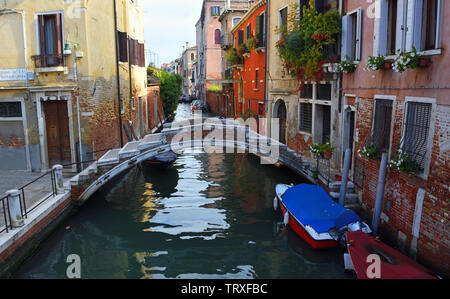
(209, 216)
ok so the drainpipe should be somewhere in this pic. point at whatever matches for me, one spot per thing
(343, 190)
(79, 134)
(380, 191)
(266, 91)
(118, 73)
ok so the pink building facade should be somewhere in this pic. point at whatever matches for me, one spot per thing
(401, 114)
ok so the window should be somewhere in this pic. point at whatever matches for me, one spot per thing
(351, 35)
(217, 36)
(248, 31)
(261, 30)
(260, 108)
(283, 19)
(50, 40)
(306, 92)
(240, 37)
(416, 132)
(323, 6)
(10, 109)
(256, 78)
(381, 130)
(324, 92)
(235, 21)
(430, 24)
(192, 56)
(123, 46)
(403, 24)
(392, 27)
(301, 4)
(215, 11)
(305, 117)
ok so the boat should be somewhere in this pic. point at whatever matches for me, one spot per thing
(393, 264)
(315, 216)
(165, 159)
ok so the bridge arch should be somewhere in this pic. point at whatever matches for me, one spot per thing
(117, 161)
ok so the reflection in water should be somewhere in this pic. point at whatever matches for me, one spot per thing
(210, 216)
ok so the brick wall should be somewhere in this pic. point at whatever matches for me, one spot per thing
(396, 224)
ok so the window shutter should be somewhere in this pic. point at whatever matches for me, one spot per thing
(414, 34)
(346, 37)
(59, 41)
(240, 37)
(401, 25)
(143, 54)
(258, 22)
(380, 27)
(358, 34)
(123, 54)
(42, 48)
(136, 52)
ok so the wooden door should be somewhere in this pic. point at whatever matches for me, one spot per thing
(281, 113)
(58, 138)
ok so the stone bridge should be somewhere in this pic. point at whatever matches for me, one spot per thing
(212, 135)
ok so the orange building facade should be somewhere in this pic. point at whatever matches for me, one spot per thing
(250, 76)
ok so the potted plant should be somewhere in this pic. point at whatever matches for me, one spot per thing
(409, 60)
(315, 149)
(368, 151)
(327, 150)
(346, 66)
(251, 43)
(404, 162)
(234, 56)
(377, 63)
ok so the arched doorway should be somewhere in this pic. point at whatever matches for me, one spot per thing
(280, 113)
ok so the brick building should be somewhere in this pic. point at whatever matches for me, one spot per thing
(72, 73)
(401, 112)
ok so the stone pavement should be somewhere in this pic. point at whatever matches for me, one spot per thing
(14, 179)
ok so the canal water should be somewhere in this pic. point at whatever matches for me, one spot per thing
(209, 216)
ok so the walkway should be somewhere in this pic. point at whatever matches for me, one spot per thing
(14, 179)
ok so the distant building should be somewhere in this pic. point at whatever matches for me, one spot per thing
(208, 45)
(188, 57)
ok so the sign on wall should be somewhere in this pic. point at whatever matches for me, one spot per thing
(13, 74)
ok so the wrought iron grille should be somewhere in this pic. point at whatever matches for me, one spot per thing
(381, 131)
(305, 123)
(416, 131)
(324, 169)
(359, 173)
(48, 60)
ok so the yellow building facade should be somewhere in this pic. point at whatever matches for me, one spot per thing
(62, 65)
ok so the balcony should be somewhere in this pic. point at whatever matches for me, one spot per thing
(226, 41)
(49, 62)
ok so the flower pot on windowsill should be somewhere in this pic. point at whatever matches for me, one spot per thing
(424, 62)
(327, 155)
(387, 65)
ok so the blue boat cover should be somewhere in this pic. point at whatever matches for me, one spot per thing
(312, 205)
(345, 218)
(166, 157)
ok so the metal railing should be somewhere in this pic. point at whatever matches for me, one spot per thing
(226, 40)
(48, 60)
(24, 210)
(324, 169)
